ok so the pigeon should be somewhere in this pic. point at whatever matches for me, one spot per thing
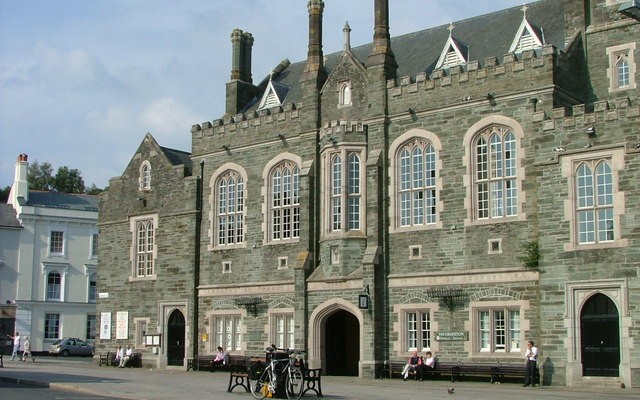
(450, 390)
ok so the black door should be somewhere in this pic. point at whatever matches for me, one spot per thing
(600, 337)
(175, 339)
(342, 344)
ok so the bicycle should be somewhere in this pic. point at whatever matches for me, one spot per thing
(282, 368)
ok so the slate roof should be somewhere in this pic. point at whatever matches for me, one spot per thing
(488, 35)
(8, 217)
(177, 157)
(69, 201)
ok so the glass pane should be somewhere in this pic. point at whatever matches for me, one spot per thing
(484, 332)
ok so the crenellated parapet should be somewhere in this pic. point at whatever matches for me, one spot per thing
(340, 130)
(584, 116)
(475, 78)
(244, 121)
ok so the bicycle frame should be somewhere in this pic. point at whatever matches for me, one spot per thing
(280, 371)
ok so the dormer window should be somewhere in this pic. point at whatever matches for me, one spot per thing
(145, 176)
(344, 94)
(528, 36)
(454, 52)
(274, 95)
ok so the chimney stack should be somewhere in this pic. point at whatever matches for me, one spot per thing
(19, 193)
(381, 54)
(240, 89)
(315, 57)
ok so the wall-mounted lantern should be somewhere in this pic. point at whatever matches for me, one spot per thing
(363, 299)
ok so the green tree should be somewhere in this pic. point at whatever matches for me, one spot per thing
(4, 194)
(93, 189)
(40, 176)
(68, 181)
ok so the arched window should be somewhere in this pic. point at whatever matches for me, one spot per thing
(416, 183)
(495, 181)
(285, 201)
(145, 176)
(622, 68)
(594, 202)
(344, 90)
(345, 191)
(145, 239)
(229, 209)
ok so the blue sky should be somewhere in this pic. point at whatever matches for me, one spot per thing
(82, 81)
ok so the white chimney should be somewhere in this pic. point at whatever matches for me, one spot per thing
(19, 193)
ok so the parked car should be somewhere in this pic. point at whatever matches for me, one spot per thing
(71, 347)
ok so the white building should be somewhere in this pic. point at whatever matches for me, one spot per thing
(49, 259)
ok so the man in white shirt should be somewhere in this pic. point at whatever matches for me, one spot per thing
(16, 345)
(127, 356)
(531, 356)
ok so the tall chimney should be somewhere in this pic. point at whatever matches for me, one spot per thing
(236, 54)
(381, 54)
(315, 57)
(247, 45)
(240, 89)
(19, 193)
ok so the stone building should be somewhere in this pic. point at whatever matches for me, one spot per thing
(461, 189)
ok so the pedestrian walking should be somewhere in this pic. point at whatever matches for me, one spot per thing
(26, 350)
(16, 345)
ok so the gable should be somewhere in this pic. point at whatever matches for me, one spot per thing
(527, 38)
(454, 53)
(274, 95)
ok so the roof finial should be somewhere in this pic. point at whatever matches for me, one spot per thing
(347, 36)
(524, 9)
(450, 28)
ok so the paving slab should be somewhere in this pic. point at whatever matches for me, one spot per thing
(84, 375)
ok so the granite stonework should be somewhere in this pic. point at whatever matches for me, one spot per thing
(557, 100)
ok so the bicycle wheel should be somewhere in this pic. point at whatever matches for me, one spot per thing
(295, 383)
(261, 388)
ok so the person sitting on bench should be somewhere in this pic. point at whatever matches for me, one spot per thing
(414, 364)
(127, 356)
(222, 358)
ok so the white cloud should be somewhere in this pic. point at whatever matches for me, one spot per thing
(81, 82)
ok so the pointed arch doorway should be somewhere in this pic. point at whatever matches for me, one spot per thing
(342, 344)
(600, 337)
(175, 338)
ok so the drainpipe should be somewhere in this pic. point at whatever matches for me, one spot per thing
(196, 263)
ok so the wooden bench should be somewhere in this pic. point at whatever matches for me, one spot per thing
(201, 363)
(457, 371)
(395, 367)
(494, 372)
(239, 372)
(135, 361)
(107, 359)
(312, 381)
(518, 371)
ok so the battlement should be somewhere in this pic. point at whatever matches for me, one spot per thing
(231, 123)
(473, 72)
(581, 115)
(342, 126)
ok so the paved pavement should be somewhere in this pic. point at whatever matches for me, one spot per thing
(84, 375)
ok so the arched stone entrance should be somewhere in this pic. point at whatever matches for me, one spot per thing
(600, 337)
(342, 344)
(175, 338)
(334, 338)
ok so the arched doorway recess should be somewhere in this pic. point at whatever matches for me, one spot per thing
(342, 347)
(600, 337)
(175, 338)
